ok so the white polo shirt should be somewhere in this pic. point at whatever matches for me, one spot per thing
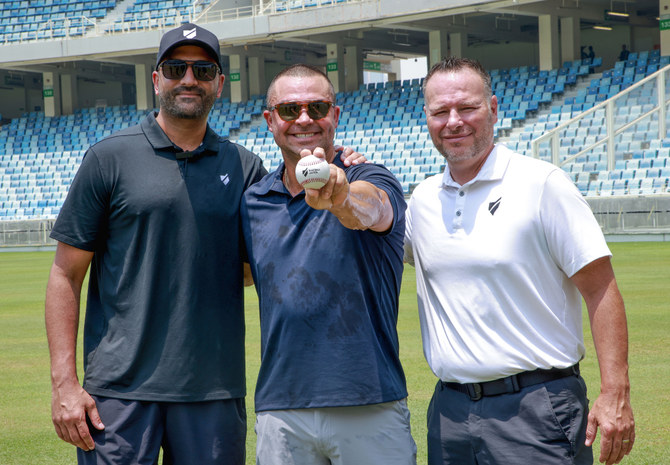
(493, 259)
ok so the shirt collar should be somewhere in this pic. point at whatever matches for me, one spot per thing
(160, 141)
(493, 169)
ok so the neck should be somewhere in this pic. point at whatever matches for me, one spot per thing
(290, 181)
(187, 134)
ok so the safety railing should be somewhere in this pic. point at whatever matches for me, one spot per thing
(200, 12)
(620, 125)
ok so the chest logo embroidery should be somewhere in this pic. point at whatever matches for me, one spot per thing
(225, 179)
(493, 206)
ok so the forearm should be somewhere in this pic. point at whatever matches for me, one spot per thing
(365, 207)
(607, 316)
(62, 322)
(610, 337)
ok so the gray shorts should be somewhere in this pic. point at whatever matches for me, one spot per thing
(206, 433)
(369, 434)
(544, 424)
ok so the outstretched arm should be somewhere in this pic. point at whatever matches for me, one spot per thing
(359, 205)
(70, 404)
(364, 206)
(612, 411)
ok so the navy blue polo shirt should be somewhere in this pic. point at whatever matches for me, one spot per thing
(328, 298)
(164, 316)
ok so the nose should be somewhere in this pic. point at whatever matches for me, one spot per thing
(303, 118)
(454, 119)
(189, 77)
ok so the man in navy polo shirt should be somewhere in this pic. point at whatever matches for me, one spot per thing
(154, 211)
(327, 265)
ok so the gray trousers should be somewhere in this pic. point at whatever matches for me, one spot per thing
(541, 424)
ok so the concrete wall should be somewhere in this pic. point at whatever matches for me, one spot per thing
(629, 218)
(632, 214)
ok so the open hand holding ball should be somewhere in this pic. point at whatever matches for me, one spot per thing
(312, 172)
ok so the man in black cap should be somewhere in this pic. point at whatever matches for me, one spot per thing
(154, 211)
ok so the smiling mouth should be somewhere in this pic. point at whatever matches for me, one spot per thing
(305, 135)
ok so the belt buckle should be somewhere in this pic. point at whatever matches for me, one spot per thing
(474, 391)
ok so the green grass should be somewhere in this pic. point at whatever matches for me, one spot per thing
(26, 432)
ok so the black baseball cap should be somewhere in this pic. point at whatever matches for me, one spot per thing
(189, 34)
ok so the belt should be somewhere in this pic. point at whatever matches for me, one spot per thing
(512, 383)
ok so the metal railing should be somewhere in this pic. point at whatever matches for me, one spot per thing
(80, 26)
(629, 117)
(266, 8)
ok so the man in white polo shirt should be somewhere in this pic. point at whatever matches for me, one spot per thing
(504, 248)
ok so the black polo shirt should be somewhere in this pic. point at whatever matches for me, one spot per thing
(164, 317)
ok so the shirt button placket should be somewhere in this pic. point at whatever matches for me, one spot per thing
(460, 206)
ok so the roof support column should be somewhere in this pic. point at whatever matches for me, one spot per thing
(68, 90)
(438, 46)
(143, 86)
(335, 65)
(51, 93)
(548, 37)
(256, 75)
(456, 44)
(239, 89)
(664, 13)
(570, 39)
(353, 68)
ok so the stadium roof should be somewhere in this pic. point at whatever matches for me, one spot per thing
(392, 27)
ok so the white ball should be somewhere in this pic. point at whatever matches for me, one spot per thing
(312, 172)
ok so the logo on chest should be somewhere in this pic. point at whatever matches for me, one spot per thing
(493, 206)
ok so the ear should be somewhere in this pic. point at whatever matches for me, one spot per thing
(494, 107)
(222, 79)
(267, 114)
(155, 78)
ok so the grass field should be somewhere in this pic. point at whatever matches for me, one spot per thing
(26, 432)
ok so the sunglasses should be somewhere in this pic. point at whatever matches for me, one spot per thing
(202, 70)
(290, 111)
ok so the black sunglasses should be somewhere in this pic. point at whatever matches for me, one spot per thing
(290, 111)
(202, 70)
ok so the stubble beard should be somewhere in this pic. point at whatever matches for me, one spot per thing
(451, 155)
(191, 110)
(480, 146)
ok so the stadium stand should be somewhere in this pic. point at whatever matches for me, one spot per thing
(40, 155)
(24, 20)
(47, 19)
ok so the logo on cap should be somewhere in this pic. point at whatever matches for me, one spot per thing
(189, 34)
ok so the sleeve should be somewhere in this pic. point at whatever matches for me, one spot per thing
(83, 216)
(573, 235)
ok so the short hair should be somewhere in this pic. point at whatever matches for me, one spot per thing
(453, 64)
(298, 70)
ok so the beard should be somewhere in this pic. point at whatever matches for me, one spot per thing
(456, 153)
(186, 110)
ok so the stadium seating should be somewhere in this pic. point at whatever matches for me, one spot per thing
(636, 150)
(29, 20)
(40, 155)
(45, 19)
